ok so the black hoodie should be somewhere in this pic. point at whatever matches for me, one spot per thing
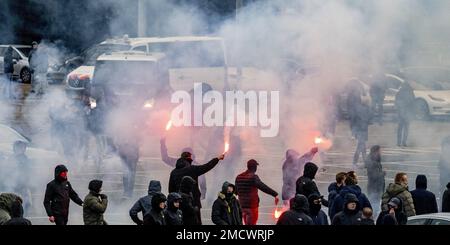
(226, 209)
(298, 213)
(156, 215)
(305, 184)
(190, 210)
(58, 194)
(184, 168)
(424, 201)
(347, 216)
(144, 204)
(172, 214)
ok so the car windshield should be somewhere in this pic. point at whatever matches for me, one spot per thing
(428, 79)
(127, 78)
(93, 53)
(9, 136)
(191, 54)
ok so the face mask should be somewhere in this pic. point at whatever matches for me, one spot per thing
(63, 175)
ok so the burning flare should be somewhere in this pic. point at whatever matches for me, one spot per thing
(168, 125)
(277, 213)
(318, 140)
(227, 147)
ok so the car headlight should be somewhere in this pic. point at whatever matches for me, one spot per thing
(435, 98)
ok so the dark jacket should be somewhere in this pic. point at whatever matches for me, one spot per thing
(58, 195)
(184, 168)
(446, 199)
(144, 204)
(292, 170)
(333, 191)
(297, 215)
(8, 65)
(172, 162)
(424, 201)
(404, 102)
(305, 184)
(317, 215)
(247, 185)
(349, 217)
(94, 205)
(187, 206)
(156, 215)
(339, 201)
(375, 174)
(17, 215)
(226, 209)
(386, 219)
(172, 214)
(402, 192)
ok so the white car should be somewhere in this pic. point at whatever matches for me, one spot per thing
(430, 219)
(431, 87)
(21, 65)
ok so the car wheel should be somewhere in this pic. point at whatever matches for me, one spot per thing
(25, 75)
(422, 110)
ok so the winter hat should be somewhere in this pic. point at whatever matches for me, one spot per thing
(395, 201)
(300, 203)
(95, 185)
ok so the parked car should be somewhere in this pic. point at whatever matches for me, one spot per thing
(430, 219)
(21, 65)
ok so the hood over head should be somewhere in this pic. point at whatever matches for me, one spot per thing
(187, 184)
(156, 200)
(58, 170)
(154, 187)
(299, 203)
(171, 198)
(310, 170)
(314, 208)
(95, 186)
(421, 182)
(349, 198)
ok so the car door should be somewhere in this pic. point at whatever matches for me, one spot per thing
(17, 64)
(440, 222)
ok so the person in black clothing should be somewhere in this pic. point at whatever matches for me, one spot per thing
(424, 201)
(351, 215)
(58, 194)
(184, 168)
(247, 185)
(128, 150)
(375, 177)
(298, 212)
(172, 162)
(377, 93)
(404, 103)
(317, 215)
(446, 199)
(190, 210)
(156, 215)
(361, 127)
(394, 215)
(173, 214)
(17, 215)
(144, 204)
(305, 185)
(226, 209)
(8, 69)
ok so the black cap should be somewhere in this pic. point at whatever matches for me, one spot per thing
(252, 163)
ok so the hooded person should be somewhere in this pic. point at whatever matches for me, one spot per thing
(247, 185)
(57, 198)
(292, 170)
(95, 204)
(6, 206)
(171, 161)
(375, 176)
(172, 214)
(298, 212)
(190, 210)
(144, 204)
(305, 185)
(351, 215)
(17, 215)
(156, 215)
(446, 199)
(399, 189)
(424, 201)
(184, 168)
(351, 187)
(226, 209)
(315, 210)
(395, 214)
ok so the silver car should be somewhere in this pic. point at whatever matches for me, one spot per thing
(21, 65)
(430, 219)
